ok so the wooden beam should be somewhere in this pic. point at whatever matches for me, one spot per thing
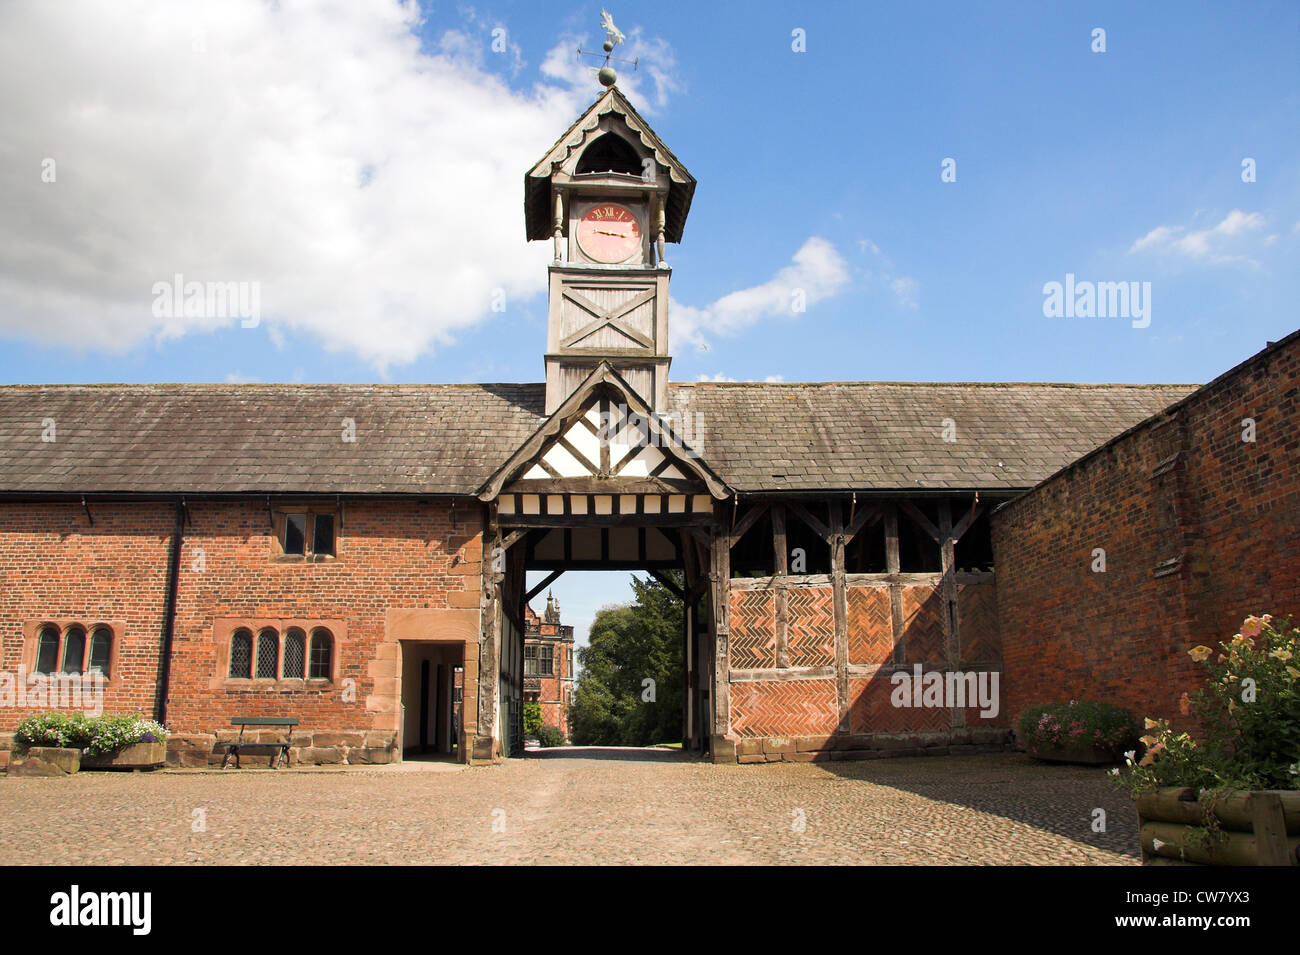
(545, 582)
(668, 582)
(923, 522)
(818, 528)
(948, 592)
(720, 607)
(511, 539)
(781, 598)
(839, 604)
(745, 523)
(965, 523)
(895, 590)
(863, 519)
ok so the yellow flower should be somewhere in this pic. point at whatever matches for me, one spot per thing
(1199, 653)
(1295, 674)
(1148, 740)
(1149, 723)
(1282, 655)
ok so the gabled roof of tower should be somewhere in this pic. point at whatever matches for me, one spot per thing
(537, 181)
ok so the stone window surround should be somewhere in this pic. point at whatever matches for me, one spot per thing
(223, 629)
(31, 640)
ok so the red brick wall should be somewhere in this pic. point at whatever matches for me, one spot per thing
(56, 566)
(390, 555)
(1230, 508)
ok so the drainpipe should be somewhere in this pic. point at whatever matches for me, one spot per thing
(169, 614)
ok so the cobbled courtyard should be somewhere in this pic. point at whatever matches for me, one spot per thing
(578, 806)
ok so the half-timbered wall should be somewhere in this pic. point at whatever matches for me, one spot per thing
(811, 655)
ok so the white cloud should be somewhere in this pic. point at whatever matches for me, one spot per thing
(371, 190)
(1226, 242)
(905, 291)
(818, 272)
(718, 377)
(905, 288)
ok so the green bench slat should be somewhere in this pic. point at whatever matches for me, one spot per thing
(264, 721)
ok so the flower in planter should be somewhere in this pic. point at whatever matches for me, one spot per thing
(1280, 654)
(1199, 654)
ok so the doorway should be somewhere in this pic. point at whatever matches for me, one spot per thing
(431, 717)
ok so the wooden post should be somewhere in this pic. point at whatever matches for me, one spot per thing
(948, 594)
(892, 565)
(489, 663)
(839, 603)
(1269, 825)
(781, 597)
(722, 748)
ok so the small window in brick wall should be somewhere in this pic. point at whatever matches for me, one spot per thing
(530, 659)
(241, 655)
(295, 653)
(548, 661)
(268, 655)
(322, 654)
(68, 651)
(281, 656)
(306, 534)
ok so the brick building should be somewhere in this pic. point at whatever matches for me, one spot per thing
(356, 555)
(1164, 538)
(548, 664)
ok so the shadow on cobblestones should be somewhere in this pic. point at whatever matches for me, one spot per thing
(1059, 799)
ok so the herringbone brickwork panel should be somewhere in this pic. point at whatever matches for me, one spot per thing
(810, 637)
(753, 629)
(871, 710)
(977, 618)
(784, 708)
(923, 625)
(871, 631)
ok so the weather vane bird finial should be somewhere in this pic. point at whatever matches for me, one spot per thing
(613, 34)
(613, 37)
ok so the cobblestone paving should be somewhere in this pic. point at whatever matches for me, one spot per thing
(567, 807)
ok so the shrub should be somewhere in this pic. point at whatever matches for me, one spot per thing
(1078, 723)
(1249, 707)
(548, 736)
(92, 735)
(532, 719)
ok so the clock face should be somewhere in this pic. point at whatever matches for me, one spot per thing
(609, 233)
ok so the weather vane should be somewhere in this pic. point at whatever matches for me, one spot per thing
(613, 37)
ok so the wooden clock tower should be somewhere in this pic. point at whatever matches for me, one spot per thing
(609, 194)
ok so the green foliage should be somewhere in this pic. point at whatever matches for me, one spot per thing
(1083, 723)
(548, 736)
(630, 644)
(1249, 708)
(92, 735)
(532, 719)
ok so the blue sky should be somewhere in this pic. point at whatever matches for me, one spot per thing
(309, 150)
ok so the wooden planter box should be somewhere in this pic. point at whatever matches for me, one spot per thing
(137, 756)
(1086, 755)
(1257, 828)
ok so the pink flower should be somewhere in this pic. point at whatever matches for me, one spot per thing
(1252, 627)
(1184, 704)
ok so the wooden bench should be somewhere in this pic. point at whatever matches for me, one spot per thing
(282, 749)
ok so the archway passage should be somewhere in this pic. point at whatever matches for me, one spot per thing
(668, 546)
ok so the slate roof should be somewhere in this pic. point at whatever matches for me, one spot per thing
(448, 439)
